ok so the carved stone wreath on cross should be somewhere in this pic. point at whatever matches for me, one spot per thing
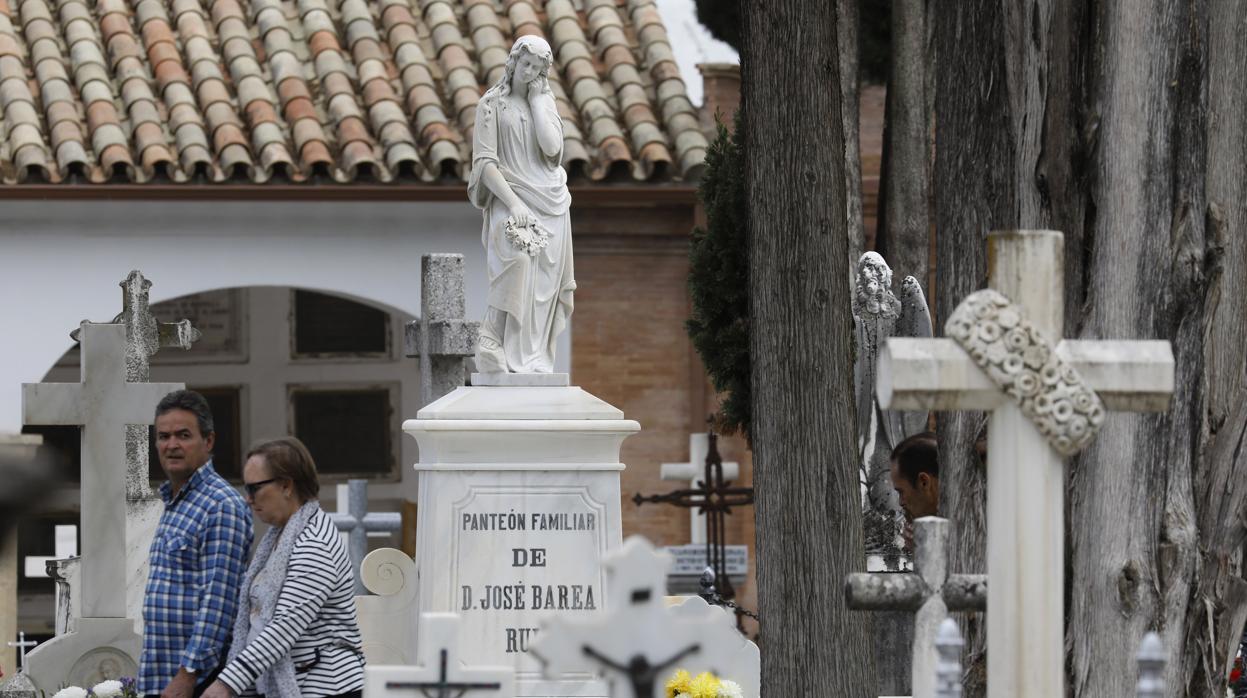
(1024, 364)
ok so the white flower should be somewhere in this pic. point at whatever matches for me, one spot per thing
(730, 689)
(71, 692)
(108, 689)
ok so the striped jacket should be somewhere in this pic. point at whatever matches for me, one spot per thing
(314, 620)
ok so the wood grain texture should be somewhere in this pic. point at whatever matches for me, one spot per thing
(808, 507)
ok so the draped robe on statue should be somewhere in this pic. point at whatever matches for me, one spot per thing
(533, 291)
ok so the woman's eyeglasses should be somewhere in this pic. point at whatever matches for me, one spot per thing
(253, 487)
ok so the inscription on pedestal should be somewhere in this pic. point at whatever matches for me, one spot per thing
(521, 554)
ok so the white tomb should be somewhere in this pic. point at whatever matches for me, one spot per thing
(519, 504)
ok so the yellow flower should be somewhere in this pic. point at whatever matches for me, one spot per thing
(678, 684)
(704, 686)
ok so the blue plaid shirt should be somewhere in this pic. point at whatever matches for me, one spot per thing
(197, 560)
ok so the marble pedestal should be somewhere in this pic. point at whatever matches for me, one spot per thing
(518, 503)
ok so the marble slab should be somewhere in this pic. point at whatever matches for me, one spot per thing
(519, 503)
(521, 379)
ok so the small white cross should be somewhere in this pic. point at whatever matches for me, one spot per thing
(694, 470)
(66, 546)
(22, 645)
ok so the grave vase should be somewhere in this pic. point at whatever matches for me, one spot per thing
(519, 503)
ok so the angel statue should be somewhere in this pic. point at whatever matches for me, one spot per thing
(877, 315)
(519, 184)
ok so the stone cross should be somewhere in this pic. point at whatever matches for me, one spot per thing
(442, 339)
(638, 640)
(66, 546)
(441, 672)
(1060, 386)
(22, 644)
(354, 520)
(103, 404)
(694, 469)
(145, 336)
(1151, 659)
(948, 646)
(929, 591)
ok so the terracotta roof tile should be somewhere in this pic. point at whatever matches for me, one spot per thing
(123, 90)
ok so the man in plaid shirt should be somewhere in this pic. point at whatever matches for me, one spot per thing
(197, 558)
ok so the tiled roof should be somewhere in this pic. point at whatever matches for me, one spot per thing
(329, 91)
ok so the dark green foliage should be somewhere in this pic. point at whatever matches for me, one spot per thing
(722, 18)
(718, 280)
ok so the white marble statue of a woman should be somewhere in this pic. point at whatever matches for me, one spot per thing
(519, 184)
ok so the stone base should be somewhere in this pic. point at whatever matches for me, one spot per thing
(102, 648)
(519, 502)
(557, 380)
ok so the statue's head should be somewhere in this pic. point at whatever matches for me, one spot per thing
(530, 61)
(873, 287)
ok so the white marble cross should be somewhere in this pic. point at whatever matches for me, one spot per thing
(639, 642)
(66, 546)
(694, 470)
(441, 672)
(929, 591)
(441, 338)
(103, 404)
(1026, 474)
(354, 521)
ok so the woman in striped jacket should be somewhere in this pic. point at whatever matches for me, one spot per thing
(296, 634)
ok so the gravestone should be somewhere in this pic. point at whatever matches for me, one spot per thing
(104, 403)
(1047, 398)
(355, 521)
(441, 338)
(518, 506)
(929, 592)
(442, 671)
(689, 563)
(640, 642)
(387, 618)
(692, 471)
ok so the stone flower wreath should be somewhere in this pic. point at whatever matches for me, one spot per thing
(1023, 362)
(529, 239)
(112, 688)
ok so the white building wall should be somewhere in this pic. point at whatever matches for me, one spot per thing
(61, 262)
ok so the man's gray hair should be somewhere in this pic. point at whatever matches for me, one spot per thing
(192, 402)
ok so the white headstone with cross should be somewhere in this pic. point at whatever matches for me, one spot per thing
(441, 671)
(103, 404)
(641, 642)
(692, 471)
(1007, 357)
